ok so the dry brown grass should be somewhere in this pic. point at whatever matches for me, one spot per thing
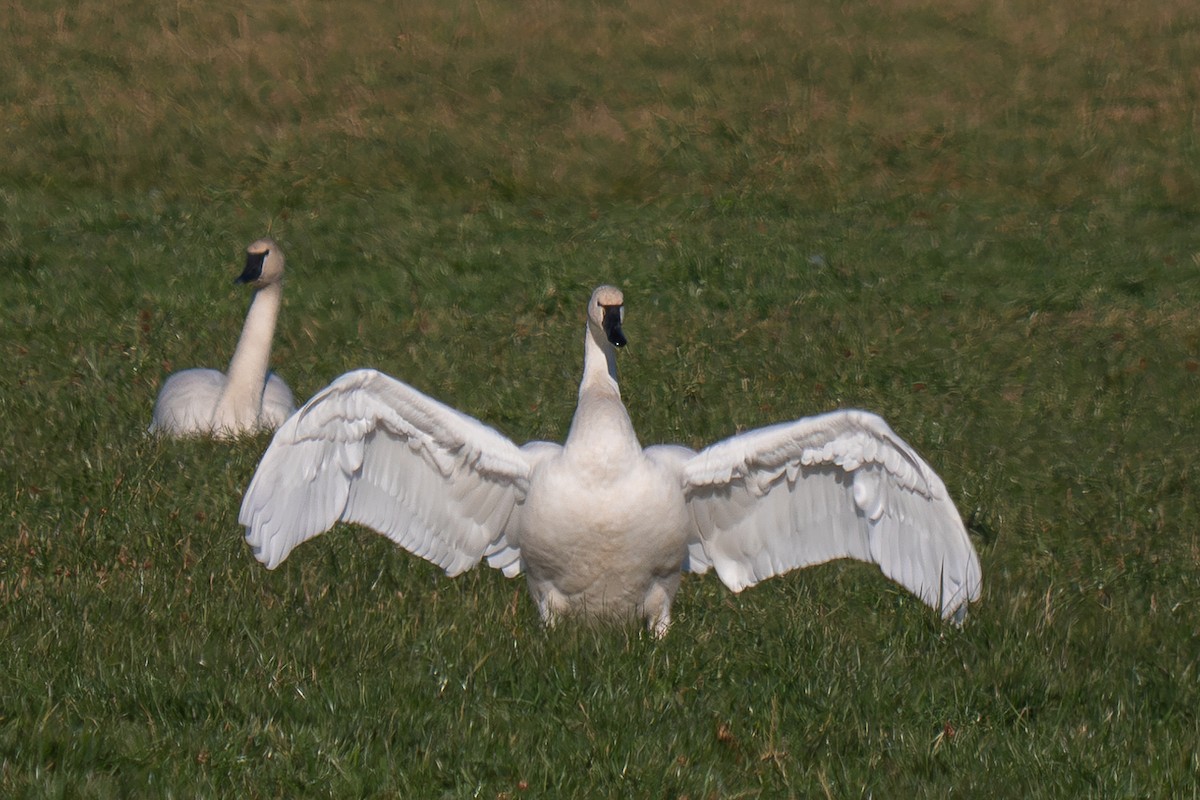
(815, 102)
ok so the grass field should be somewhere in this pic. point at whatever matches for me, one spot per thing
(979, 219)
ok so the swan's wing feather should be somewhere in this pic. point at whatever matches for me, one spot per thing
(832, 486)
(372, 450)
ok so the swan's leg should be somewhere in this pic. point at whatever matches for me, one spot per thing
(551, 605)
(657, 609)
(660, 624)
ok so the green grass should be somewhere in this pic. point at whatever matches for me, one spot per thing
(978, 219)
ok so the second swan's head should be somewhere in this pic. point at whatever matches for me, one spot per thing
(264, 264)
(605, 311)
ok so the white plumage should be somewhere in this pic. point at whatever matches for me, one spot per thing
(248, 397)
(600, 526)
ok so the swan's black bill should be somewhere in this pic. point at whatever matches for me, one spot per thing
(612, 326)
(254, 266)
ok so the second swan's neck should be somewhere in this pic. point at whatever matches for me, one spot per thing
(241, 400)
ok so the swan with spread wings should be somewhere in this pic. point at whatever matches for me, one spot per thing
(600, 526)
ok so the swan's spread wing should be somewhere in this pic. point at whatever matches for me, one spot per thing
(832, 486)
(372, 450)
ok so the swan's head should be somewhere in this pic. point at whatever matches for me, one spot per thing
(605, 311)
(264, 264)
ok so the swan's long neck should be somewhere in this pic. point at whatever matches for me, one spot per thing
(599, 362)
(241, 401)
(601, 425)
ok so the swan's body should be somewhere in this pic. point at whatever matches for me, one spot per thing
(599, 525)
(248, 397)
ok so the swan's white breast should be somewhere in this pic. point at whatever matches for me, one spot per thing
(600, 540)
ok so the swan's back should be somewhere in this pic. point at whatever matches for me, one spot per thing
(278, 403)
(186, 401)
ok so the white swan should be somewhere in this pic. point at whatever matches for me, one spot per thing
(599, 525)
(247, 398)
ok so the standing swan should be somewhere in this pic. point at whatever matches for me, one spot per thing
(601, 526)
(248, 398)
